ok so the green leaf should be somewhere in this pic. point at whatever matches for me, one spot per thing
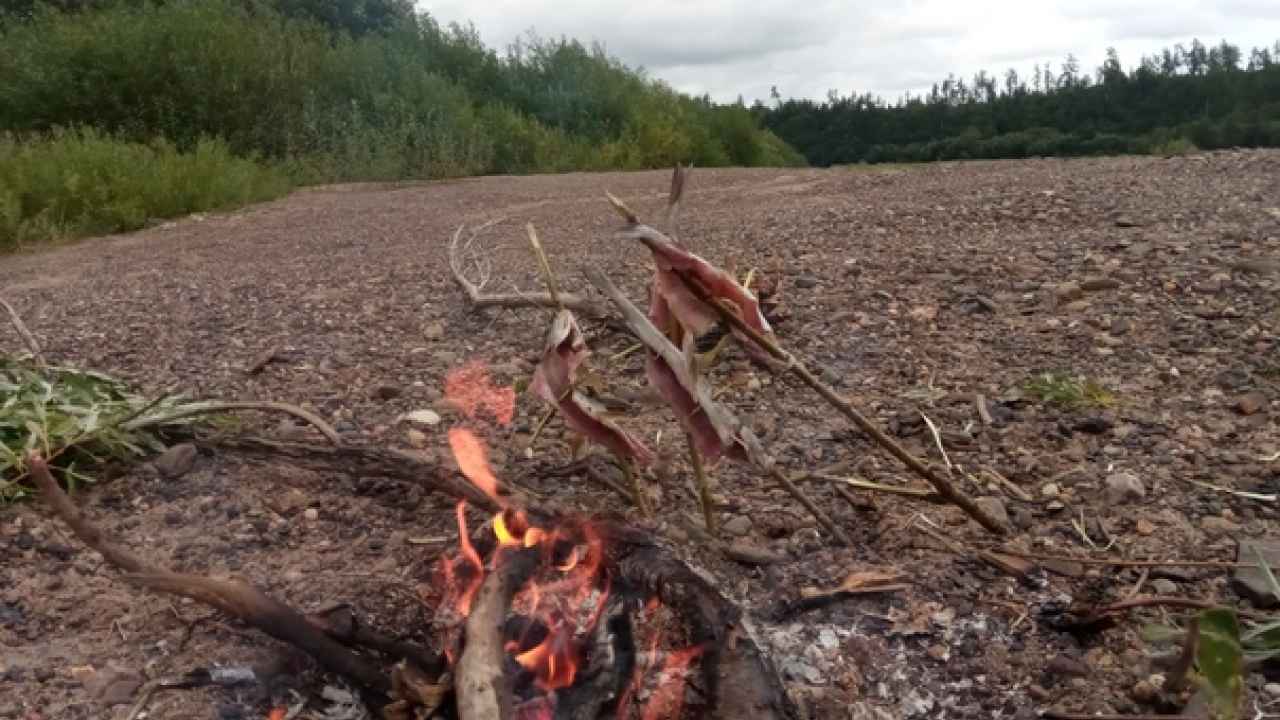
(1265, 636)
(1162, 634)
(1266, 572)
(1221, 661)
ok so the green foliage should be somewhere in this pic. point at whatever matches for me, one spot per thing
(74, 183)
(389, 96)
(1069, 392)
(79, 418)
(1164, 105)
(1220, 661)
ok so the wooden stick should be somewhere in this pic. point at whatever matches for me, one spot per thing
(484, 690)
(25, 334)
(942, 485)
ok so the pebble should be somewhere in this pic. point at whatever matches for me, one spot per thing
(1217, 525)
(430, 418)
(176, 461)
(1164, 586)
(1067, 666)
(1050, 490)
(1068, 291)
(1272, 689)
(994, 507)
(1250, 404)
(417, 438)
(311, 514)
(1144, 527)
(1124, 487)
(737, 525)
(1145, 692)
(804, 282)
(827, 639)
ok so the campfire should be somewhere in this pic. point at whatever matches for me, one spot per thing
(538, 621)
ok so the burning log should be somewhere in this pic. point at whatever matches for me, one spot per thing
(482, 684)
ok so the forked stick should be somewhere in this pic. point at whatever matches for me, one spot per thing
(941, 484)
(477, 296)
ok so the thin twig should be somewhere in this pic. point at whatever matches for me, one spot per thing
(548, 276)
(1216, 564)
(1054, 715)
(209, 408)
(944, 487)
(917, 493)
(25, 334)
(704, 486)
(937, 440)
(1168, 601)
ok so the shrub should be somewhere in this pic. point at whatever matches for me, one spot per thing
(83, 182)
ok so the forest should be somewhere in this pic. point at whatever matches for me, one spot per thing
(233, 101)
(1188, 96)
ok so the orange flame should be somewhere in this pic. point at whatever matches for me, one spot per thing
(554, 661)
(470, 390)
(473, 557)
(473, 460)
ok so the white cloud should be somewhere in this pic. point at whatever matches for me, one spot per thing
(743, 48)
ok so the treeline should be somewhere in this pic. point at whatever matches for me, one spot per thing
(330, 90)
(1183, 97)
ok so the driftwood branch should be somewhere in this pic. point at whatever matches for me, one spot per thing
(235, 598)
(720, 416)
(27, 338)
(479, 298)
(941, 484)
(484, 690)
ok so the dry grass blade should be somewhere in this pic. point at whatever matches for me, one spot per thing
(27, 338)
(214, 408)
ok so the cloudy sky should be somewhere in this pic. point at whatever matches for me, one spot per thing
(807, 47)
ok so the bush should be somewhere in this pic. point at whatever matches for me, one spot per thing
(405, 99)
(83, 182)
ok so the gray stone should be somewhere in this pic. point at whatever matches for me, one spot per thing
(429, 418)
(176, 461)
(737, 525)
(1068, 291)
(1124, 487)
(1250, 582)
(994, 507)
(1216, 525)
(1050, 490)
(1272, 689)
(1164, 586)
